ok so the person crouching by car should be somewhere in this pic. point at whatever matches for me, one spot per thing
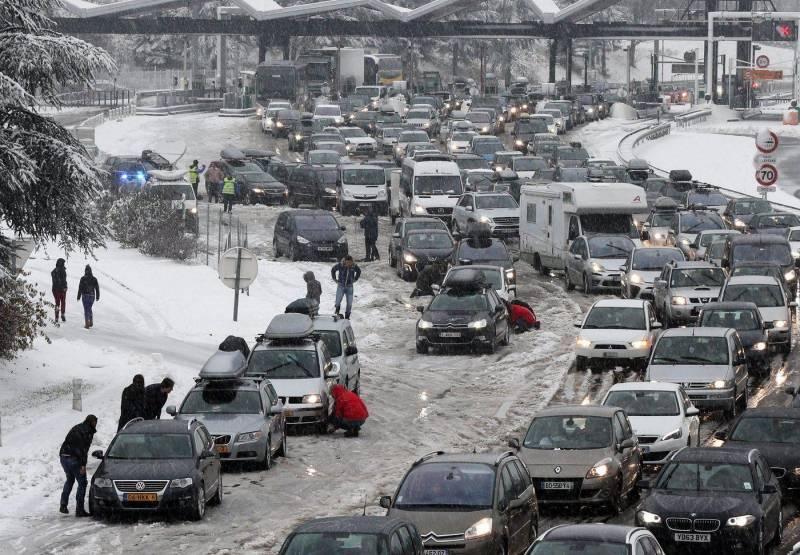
(349, 411)
(521, 316)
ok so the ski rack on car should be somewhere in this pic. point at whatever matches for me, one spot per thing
(132, 420)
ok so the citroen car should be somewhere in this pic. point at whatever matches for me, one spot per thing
(494, 275)
(484, 250)
(643, 267)
(764, 249)
(745, 318)
(682, 288)
(706, 238)
(421, 247)
(594, 262)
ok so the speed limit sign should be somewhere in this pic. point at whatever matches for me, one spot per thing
(767, 175)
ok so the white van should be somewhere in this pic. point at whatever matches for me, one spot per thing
(362, 188)
(429, 188)
(553, 215)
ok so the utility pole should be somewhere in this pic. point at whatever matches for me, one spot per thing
(696, 76)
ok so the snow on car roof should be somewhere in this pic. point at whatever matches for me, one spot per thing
(620, 303)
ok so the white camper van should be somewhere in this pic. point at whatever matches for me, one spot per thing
(552, 216)
(429, 188)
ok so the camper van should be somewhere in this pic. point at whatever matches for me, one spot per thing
(429, 188)
(552, 216)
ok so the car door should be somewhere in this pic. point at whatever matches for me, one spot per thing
(660, 291)
(497, 312)
(521, 517)
(353, 364)
(394, 243)
(770, 502)
(574, 262)
(739, 364)
(693, 421)
(630, 457)
(205, 463)
(275, 421)
(459, 211)
(515, 516)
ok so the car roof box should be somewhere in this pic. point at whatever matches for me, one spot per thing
(231, 154)
(638, 164)
(680, 175)
(224, 365)
(666, 203)
(289, 326)
(467, 280)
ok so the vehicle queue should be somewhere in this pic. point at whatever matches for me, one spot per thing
(707, 285)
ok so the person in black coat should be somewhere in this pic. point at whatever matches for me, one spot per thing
(155, 397)
(59, 276)
(88, 292)
(132, 405)
(73, 454)
(370, 226)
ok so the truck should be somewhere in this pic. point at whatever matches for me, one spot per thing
(276, 79)
(340, 68)
(554, 215)
(431, 82)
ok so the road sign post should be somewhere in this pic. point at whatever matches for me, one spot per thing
(238, 268)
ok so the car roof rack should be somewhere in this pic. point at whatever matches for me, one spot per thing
(133, 420)
(424, 458)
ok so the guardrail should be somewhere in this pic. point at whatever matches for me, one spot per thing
(690, 118)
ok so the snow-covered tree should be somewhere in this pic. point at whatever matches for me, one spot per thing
(47, 179)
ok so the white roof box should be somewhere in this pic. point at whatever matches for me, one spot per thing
(167, 175)
(289, 326)
(224, 365)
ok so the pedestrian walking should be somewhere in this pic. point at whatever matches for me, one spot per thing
(214, 178)
(59, 276)
(345, 274)
(228, 193)
(73, 454)
(155, 397)
(369, 223)
(194, 175)
(88, 292)
(132, 405)
(349, 411)
(313, 287)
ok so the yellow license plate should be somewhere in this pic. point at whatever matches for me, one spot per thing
(141, 497)
(223, 449)
(288, 413)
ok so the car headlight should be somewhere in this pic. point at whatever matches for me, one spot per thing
(524, 106)
(659, 236)
(268, 122)
(513, 110)
(519, 142)
(330, 190)
(103, 482)
(298, 137)
(583, 343)
(338, 119)
(193, 210)
(477, 324)
(257, 190)
(484, 129)
(680, 300)
(409, 258)
(180, 483)
(779, 324)
(426, 124)
(501, 119)
(760, 346)
(795, 254)
(684, 241)
(790, 275)
(636, 278)
(796, 471)
(347, 193)
(399, 149)
(348, 146)
(418, 209)
(510, 273)
(424, 324)
(446, 104)
(382, 193)
(248, 436)
(485, 220)
(600, 469)
(646, 517)
(498, 168)
(480, 529)
(279, 124)
(641, 344)
(312, 399)
(674, 434)
(738, 223)
(740, 521)
(720, 384)
(302, 240)
(597, 267)
(341, 240)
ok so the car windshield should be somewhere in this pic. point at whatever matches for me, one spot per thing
(532, 126)
(644, 402)
(707, 238)
(578, 547)
(437, 185)
(716, 249)
(350, 132)
(468, 301)
(418, 114)
(216, 400)
(413, 137)
(365, 116)
(316, 157)
(471, 164)
(794, 235)
(697, 349)
(447, 486)
(695, 222)
(478, 117)
(482, 148)
(428, 223)
(609, 223)
(327, 138)
(615, 318)
(173, 191)
(335, 543)
(332, 340)
(776, 220)
(757, 270)
(288, 114)
(572, 154)
(738, 319)
(463, 136)
(654, 186)
(752, 207)
(491, 277)
(391, 132)
(339, 148)
(706, 477)
(364, 176)
(495, 201)
(763, 295)
(610, 247)
(707, 199)
(429, 241)
(328, 177)
(394, 118)
(321, 222)
(568, 432)
(277, 364)
(327, 111)
(654, 259)
(771, 253)
(662, 219)
(697, 277)
(528, 164)
(553, 113)
(150, 446)
(767, 430)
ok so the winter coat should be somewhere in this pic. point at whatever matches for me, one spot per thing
(214, 175)
(348, 405)
(59, 275)
(132, 405)
(370, 226)
(78, 442)
(154, 401)
(88, 285)
(429, 275)
(313, 287)
(345, 276)
(519, 312)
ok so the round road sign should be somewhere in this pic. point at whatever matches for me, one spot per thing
(248, 267)
(766, 141)
(767, 175)
(762, 61)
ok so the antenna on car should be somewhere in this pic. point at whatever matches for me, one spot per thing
(364, 513)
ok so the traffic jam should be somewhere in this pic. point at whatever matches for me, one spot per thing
(687, 293)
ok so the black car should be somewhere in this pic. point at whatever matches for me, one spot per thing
(608, 539)
(354, 534)
(365, 120)
(524, 130)
(254, 185)
(745, 318)
(740, 211)
(284, 121)
(761, 248)
(721, 497)
(281, 169)
(421, 247)
(299, 133)
(775, 432)
(403, 227)
(572, 156)
(126, 172)
(468, 312)
(485, 250)
(773, 223)
(313, 185)
(157, 465)
(309, 235)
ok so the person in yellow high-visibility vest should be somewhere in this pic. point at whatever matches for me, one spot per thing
(194, 175)
(228, 193)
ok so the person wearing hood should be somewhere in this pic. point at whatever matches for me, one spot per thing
(59, 276)
(349, 411)
(88, 292)
(74, 453)
(313, 287)
(132, 405)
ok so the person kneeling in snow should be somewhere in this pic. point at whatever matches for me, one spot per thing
(349, 411)
(521, 316)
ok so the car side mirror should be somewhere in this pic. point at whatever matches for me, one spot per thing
(275, 410)
(385, 501)
(342, 228)
(350, 351)
(171, 410)
(396, 235)
(692, 411)
(720, 436)
(578, 323)
(333, 373)
(515, 258)
(793, 304)
(207, 454)
(577, 257)
(660, 283)
(436, 288)
(98, 454)
(626, 444)
(420, 309)
(643, 484)
(769, 489)
(769, 325)
(656, 326)
(514, 443)
(502, 505)
(623, 268)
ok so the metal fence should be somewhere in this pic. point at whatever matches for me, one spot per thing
(91, 97)
(691, 118)
(217, 232)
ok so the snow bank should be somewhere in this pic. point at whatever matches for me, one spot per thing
(620, 110)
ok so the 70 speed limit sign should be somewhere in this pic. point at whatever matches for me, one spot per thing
(767, 175)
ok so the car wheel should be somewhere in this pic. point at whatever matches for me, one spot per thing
(568, 285)
(282, 450)
(537, 263)
(587, 285)
(778, 537)
(507, 337)
(217, 498)
(732, 411)
(422, 348)
(760, 539)
(292, 253)
(97, 514)
(266, 462)
(787, 347)
(744, 399)
(198, 511)
(322, 428)
(276, 251)
(392, 260)
(581, 363)
(491, 347)
(615, 499)
(357, 388)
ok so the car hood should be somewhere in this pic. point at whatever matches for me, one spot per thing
(223, 424)
(702, 291)
(572, 463)
(441, 522)
(453, 317)
(771, 313)
(499, 212)
(321, 235)
(360, 140)
(431, 254)
(750, 338)
(526, 174)
(297, 387)
(772, 231)
(610, 264)
(648, 276)
(654, 425)
(703, 504)
(436, 200)
(604, 335)
(146, 469)
(687, 373)
(570, 163)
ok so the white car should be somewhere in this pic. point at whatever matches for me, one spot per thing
(793, 234)
(708, 236)
(643, 267)
(358, 143)
(616, 332)
(492, 274)
(549, 120)
(661, 414)
(268, 119)
(328, 113)
(558, 118)
(497, 211)
(772, 301)
(460, 142)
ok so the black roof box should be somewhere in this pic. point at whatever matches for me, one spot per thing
(289, 326)
(224, 365)
(467, 280)
(302, 306)
(680, 175)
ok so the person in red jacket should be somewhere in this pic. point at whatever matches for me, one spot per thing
(349, 411)
(521, 317)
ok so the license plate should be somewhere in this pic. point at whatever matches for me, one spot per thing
(610, 355)
(556, 485)
(141, 497)
(325, 249)
(436, 552)
(696, 538)
(287, 412)
(645, 448)
(450, 334)
(365, 204)
(222, 449)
